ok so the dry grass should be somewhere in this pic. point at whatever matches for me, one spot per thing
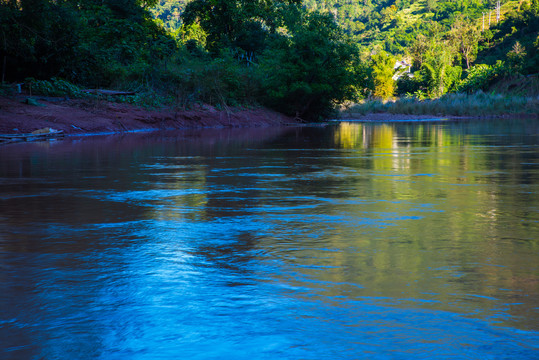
(478, 105)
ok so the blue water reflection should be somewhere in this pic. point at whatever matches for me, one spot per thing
(355, 241)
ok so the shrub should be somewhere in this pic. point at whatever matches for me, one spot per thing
(54, 87)
(480, 77)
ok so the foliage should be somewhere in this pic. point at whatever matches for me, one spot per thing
(522, 27)
(221, 81)
(242, 24)
(439, 37)
(481, 76)
(302, 60)
(516, 58)
(311, 68)
(409, 85)
(80, 41)
(465, 37)
(384, 85)
(393, 25)
(54, 87)
(438, 76)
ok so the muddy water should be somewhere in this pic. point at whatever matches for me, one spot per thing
(355, 240)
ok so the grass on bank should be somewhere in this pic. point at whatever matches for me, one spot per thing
(179, 86)
(478, 104)
(145, 97)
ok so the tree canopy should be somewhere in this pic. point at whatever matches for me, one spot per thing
(298, 58)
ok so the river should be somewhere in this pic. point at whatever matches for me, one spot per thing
(346, 241)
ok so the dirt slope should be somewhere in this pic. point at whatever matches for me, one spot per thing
(94, 116)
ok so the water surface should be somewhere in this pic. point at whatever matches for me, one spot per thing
(375, 241)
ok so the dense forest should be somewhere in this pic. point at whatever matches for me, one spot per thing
(301, 58)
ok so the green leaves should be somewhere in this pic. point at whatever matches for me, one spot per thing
(465, 36)
(83, 41)
(481, 76)
(310, 69)
(54, 87)
(382, 65)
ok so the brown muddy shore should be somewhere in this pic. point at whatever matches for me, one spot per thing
(92, 116)
(18, 115)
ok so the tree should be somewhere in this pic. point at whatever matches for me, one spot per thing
(418, 50)
(465, 37)
(534, 7)
(431, 5)
(37, 37)
(310, 67)
(80, 40)
(516, 57)
(383, 70)
(242, 24)
(437, 74)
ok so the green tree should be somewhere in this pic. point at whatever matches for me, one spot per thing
(310, 67)
(437, 73)
(383, 70)
(465, 37)
(418, 50)
(516, 57)
(431, 5)
(80, 40)
(534, 6)
(242, 24)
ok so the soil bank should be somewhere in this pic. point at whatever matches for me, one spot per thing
(92, 116)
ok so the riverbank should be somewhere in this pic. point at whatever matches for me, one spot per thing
(452, 106)
(23, 114)
(388, 117)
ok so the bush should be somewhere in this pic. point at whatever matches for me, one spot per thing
(308, 72)
(408, 85)
(480, 77)
(221, 81)
(54, 87)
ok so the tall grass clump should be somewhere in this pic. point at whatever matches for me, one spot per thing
(367, 107)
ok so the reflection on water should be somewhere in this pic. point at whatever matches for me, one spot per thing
(379, 241)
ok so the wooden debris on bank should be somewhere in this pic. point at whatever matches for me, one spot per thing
(109, 92)
(34, 102)
(37, 135)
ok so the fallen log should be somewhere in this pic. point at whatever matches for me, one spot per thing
(109, 92)
(38, 135)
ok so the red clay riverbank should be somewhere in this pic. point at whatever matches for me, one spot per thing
(91, 116)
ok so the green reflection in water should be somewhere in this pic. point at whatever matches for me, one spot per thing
(432, 214)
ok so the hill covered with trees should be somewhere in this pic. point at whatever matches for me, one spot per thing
(445, 41)
(226, 53)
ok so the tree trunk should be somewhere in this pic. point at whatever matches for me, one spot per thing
(4, 59)
(4, 69)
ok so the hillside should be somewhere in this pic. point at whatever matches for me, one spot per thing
(391, 25)
(442, 38)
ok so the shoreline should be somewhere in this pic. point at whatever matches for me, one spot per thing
(88, 117)
(390, 117)
(22, 114)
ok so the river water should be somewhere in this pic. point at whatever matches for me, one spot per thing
(349, 241)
